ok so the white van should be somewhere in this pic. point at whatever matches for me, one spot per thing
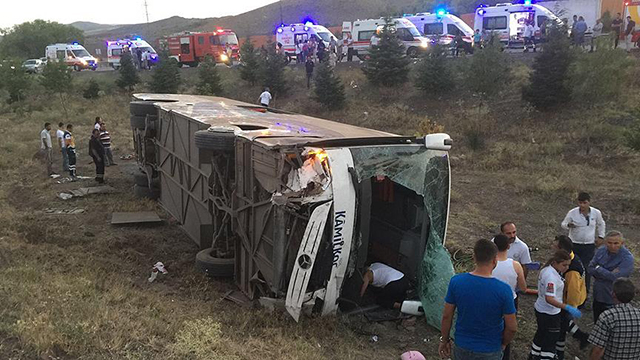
(114, 50)
(362, 31)
(507, 20)
(290, 35)
(74, 55)
(442, 27)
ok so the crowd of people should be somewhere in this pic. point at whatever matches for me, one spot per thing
(486, 299)
(99, 149)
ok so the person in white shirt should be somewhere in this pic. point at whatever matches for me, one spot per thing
(596, 32)
(98, 123)
(548, 306)
(375, 39)
(586, 230)
(529, 36)
(46, 148)
(299, 52)
(63, 147)
(392, 285)
(265, 97)
(518, 250)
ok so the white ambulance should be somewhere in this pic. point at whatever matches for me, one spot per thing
(442, 27)
(507, 20)
(74, 55)
(292, 34)
(362, 31)
(115, 48)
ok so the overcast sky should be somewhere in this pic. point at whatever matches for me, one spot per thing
(119, 11)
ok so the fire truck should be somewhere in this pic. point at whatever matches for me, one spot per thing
(192, 48)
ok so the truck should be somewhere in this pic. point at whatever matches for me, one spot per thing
(192, 48)
(361, 32)
(442, 27)
(291, 34)
(73, 54)
(507, 20)
(293, 207)
(116, 47)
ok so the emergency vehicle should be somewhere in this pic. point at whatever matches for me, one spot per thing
(292, 34)
(74, 55)
(362, 30)
(507, 21)
(442, 27)
(633, 9)
(115, 49)
(192, 48)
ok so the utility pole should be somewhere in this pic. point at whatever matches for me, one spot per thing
(146, 10)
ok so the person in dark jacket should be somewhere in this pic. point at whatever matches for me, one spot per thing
(309, 65)
(96, 151)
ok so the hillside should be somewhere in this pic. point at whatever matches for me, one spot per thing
(91, 27)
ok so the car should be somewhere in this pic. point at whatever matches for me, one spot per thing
(33, 66)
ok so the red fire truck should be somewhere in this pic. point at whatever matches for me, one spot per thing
(192, 48)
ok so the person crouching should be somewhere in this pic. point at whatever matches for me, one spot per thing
(392, 285)
(96, 151)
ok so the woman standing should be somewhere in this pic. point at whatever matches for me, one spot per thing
(548, 306)
(96, 151)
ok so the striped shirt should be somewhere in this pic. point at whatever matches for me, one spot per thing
(105, 138)
(618, 332)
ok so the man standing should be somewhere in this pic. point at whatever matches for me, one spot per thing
(105, 139)
(63, 147)
(349, 47)
(597, 32)
(628, 33)
(486, 321)
(70, 144)
(582, 223)
(610, 262)
(45, 147)
(616, 335)
(96, 151)
(518, 250)
(616, 26)
(529, 36)
(97, 123)
(265, 97)
(392, 285)
(309, 65)
(580, 29)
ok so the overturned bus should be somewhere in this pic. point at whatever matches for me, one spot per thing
(293, 207)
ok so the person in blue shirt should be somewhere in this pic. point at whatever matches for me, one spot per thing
(609, 263)
(486, 321)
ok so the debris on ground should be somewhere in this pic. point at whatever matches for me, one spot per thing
(237, 297)
(157, 268)
(72, 211)
(105, 189)
(68, 179)
(138, 217)
(126, 157)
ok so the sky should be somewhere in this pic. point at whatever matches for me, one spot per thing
(119, 11)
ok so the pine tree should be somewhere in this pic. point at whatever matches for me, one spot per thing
(166, 77)
(249, 62)
(92, 91)
(272, 68)
(209, 83)
(388, 64)
(489, 71)
(549, 86)
(128, 74)
(329, 90)
(434, 75)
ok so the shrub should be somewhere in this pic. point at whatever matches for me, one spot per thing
(488, 71)
(549, 85)
(249, 63)
(128, 74)
(92, 90)
(329, 90)
(14, 80)
(56, 78)
(272, 66)
(388, 64)
(166, 77)
(209, 82)
(632, 136)
(426, 126)
(476, 129)
(433, 73)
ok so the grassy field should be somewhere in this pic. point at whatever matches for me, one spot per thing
(74, 287)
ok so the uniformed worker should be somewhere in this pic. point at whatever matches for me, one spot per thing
(391, 285)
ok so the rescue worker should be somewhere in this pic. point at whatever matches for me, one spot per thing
(309, 65)
(70, 144)
(392, 285)
(96, 151)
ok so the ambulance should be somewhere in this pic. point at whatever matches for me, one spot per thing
(74, 55)
(292, 34)
(442, 27)
(362, 30)
(507, 20)
(116, 47)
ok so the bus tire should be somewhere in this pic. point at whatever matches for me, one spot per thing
(142, 108)
(215, 140)
(214, 266)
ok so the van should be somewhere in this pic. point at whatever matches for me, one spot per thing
(442, 27)
(293, 207)
(115, 49)
(292, 34)
(361, 32)
(507, 21)
(74, 55)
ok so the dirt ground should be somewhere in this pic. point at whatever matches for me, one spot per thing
(72, 286)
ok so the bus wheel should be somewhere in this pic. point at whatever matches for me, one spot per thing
(412, 52)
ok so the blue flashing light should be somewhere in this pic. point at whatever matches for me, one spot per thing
(293, 29)
(441, 12)
(138, 39)
(482, 12)
(306, 28)
(307, 20)
(279, 30)
(74, 43)
(527, 2)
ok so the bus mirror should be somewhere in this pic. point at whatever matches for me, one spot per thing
(439, 141)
